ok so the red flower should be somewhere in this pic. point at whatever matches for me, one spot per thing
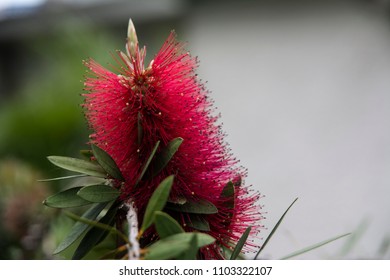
(167, 100)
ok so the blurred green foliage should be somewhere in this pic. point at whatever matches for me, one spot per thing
(24, 222)
(44, 116)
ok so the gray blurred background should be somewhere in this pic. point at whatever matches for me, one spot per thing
(303, 88)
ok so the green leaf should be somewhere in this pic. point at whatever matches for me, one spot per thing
(106, 161)
(98, 193)
(175, 245)
(240, 244)
(95, 235)
(227, 195)
(148, 162)
(227, 253)
(200, 206)
(198, 222)
(228, 190)
(66, 199)
(140, 131)
(79, 228)
(166, 225)
(165, 250)
(157, 201)
(228, 200)
(165, 156)
(312, 247)
(63, 178)
(192, 251)
(98, 225)
(78, 165)
(274, 229)
(355, 237)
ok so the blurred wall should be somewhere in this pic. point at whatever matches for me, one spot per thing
(304, 91)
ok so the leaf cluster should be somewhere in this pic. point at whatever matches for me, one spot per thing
(104, 201)
(102, 217)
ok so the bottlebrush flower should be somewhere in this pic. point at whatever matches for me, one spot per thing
(132, 109)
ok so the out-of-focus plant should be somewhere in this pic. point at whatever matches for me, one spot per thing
(24, 223)
(43, 116)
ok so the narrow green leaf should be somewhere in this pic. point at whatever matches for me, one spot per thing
(274, 229)
(240, 244)
(203, 239)
(157, 201)
(98, 193)
(163, 250)
(165, 156)
(198, 222)
(227, 195)
(175, 245)
(166, 225)
(312, 247)
(355, 237)
(95, 235)
(192, 251)
(227, 253)
(106, 161)
(228, 190)
(228, 200)
(140, 131)
(63, 178)
(66, 199)
(78, 165)
(200, 206)
(98, 225)
(79, 228)
(148, 162)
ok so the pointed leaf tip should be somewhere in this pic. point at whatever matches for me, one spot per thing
(166, 225)
(274, 229)
(98, 193)
(66, 199)
(198, 222)
(78, 165)
(199, 206)
(107, 162)
(240, 244)
(95, 234)
(312, 247)
(157, 202)
(79, 228)
(148, 161)
(163, 158)
(172, 247)
(227, 195)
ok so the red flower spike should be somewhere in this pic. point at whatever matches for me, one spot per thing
(130, 111)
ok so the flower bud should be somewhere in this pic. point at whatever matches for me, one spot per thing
(132, 40)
